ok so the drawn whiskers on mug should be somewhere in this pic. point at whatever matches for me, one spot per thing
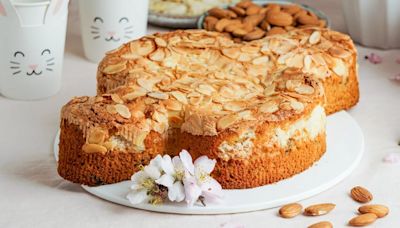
(49, 64)
(127, 31)
(95, 31)
(16, 67)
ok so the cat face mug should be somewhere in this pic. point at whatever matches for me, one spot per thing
(32, 48)
(107, 24)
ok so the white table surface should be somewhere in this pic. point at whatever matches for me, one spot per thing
(33, 195)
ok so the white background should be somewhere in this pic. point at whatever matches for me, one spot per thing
(33, 195)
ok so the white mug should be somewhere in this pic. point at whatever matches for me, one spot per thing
(32, 48)
(107, 24)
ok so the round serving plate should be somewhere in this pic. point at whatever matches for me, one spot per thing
(319, 13)
(345, 146)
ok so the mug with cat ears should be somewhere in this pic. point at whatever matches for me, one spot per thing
(32, 49)
(106, 24)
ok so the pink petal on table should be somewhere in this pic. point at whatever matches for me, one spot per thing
(392, 158)
(374, 58)
(231, 225)
(396, 78)
(398, 60)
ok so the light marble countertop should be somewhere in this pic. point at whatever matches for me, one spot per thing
(33, 195)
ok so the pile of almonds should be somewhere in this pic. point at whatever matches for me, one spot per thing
(368, 213)
(249, 21)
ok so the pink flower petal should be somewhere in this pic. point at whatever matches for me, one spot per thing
(187, 161)
(396, 78)
(398, 60)
(374, 58)
(231, 225)
(392, 158)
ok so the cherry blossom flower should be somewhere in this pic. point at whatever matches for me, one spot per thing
(176, 179)
(374, 58)
(143, 184)
(174, 172)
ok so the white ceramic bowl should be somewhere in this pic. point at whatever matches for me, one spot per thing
(373, 23)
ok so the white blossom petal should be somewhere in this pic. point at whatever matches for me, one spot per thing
(167, 165)
(166, 180)
(176, 192)
(192, 190)
(204, 164)
(156, 162)
(136, 197)
(187, 161)
(139, 177)
(211, 191)
(152, 171)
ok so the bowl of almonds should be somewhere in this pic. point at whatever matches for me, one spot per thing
(252, 20)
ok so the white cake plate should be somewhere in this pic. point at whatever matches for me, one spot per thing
(345, 148)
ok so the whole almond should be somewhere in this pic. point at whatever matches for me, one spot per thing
(221, 24)
(219, 13)
(239, 32)
(361, 194)
(377, 209)
(239, 11)
(324, 224)
(276, 31)
(254, 9)
(279, 18)
(290, 210)
(210, 22)
(245, 4)
(254, 19)
(254, 35)
(363, 220)
(319, 209)
(307, 20)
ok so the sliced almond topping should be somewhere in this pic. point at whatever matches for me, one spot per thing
(130, 56)
(158, 95)
(205, 89)
(179, 96)
(96, 136)
(157, 116)
(234, 106)
(269, 90)
(304, 89)
(307, 62)
(195, 100)
(138, 140)
(111, 109)
(243, 57)
(246, 115)
(142, 48)
(232, 53)
(147, 84)
(260, 60)
(340, 68)
(123, 111)
(227, 121)
(298, 106)
(315, 37)
(173, 105)
(339, 52)
(250, 49)
(115, 97)
(160, 42)
(295, 61)
(94, 148)
(158, 55)
(269, 107)
(135, 94)
(115, 68)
